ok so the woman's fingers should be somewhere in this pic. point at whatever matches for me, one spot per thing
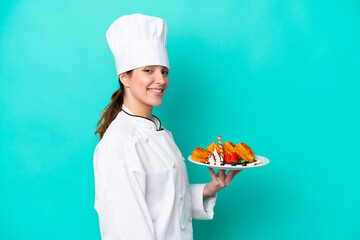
(230, 176)
(230, 173)
(213, 175)
(236, 172)
(222, 178)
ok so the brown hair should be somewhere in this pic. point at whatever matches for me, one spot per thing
(109, 113)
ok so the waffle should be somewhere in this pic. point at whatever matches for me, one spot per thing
(245, 152)
(200, 155)
(229, 147)
(213, 146)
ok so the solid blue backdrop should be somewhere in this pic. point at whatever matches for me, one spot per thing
(282, 76)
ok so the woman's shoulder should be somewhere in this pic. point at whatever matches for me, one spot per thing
(120, 130)
(116, 142)
(121, 127)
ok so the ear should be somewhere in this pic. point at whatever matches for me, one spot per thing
(124, 78)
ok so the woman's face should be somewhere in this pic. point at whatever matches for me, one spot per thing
(146, 86)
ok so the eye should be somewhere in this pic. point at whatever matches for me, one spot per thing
(165, 72)
(147, 70)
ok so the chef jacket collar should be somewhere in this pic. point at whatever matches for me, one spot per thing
(153, 123)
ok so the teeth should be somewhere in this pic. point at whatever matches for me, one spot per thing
(156, 90)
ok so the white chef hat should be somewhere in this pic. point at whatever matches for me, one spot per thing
(138, 40)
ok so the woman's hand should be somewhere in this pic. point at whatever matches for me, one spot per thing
(219, 181)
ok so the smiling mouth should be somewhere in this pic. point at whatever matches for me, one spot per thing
(156, 90)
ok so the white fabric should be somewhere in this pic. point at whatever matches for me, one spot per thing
(141, 183)
(138, 40)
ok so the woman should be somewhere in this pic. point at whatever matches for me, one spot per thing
(141, 183)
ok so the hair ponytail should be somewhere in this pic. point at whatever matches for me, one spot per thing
(109, 113)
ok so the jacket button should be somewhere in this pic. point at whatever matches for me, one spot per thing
(182, 227)
(190, 219)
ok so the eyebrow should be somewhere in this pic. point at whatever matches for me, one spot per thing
(152, 66)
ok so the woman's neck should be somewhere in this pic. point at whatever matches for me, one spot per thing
(139, 109)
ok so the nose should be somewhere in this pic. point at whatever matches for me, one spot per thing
(159, 78)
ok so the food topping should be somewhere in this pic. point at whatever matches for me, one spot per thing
(225, 154)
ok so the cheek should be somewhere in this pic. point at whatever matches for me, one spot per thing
(141, 86)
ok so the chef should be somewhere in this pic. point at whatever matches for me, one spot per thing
(141, 183)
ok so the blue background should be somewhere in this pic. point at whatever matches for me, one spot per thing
(282, 76)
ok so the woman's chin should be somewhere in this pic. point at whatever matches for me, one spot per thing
(157, 103)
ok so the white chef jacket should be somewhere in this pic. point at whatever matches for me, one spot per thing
(142, 189)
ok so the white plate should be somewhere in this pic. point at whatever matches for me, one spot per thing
(264, 161)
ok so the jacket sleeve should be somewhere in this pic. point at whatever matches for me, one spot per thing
(202, 209)
(120, 197)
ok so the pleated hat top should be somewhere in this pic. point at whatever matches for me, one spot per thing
(138, 40)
